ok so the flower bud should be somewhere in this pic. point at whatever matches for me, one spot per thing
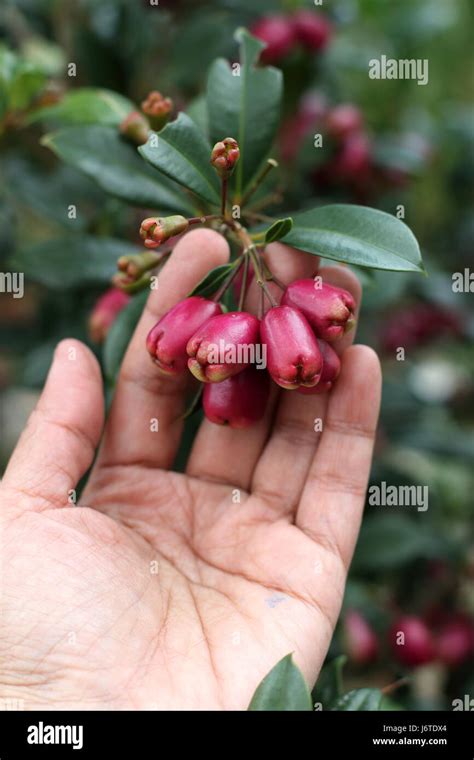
(166, 342)
(104, 313)
(278, 33)
(223, 346)
(411, 641)
(224, 156)
(328, 309)
(362, 645)
(135, 127)
(313, 30)
(239, 401)
(157, 108)
(155, 231)
(329, 375)
(293, 354)
(134, 265)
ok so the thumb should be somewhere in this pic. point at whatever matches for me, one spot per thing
(59, 442)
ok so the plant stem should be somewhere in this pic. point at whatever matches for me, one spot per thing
(203, 219)
(271, 164)
(229, 280)
(224, 196)
(243, 287)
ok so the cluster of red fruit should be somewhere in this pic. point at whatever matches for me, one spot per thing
(344, 132)
(220, 349)
(282, 33)
(452, 643)
(418, 325)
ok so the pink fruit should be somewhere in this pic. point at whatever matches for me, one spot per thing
(278, 34)
(223, 346)
(313, 30)
(353, 162)
(416, 646)
(328, 309)
(167, 341)
(329, 375)
(455, 641)
(343, 120)
(361, 641)
(239, 401)
(293, 355)
(105, 312)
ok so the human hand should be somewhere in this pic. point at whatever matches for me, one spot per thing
(159, 591)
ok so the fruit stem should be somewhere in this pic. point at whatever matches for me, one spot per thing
(243, 287)
(229, 280)
(271, 164)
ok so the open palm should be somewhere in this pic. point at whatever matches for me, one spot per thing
(171, 591)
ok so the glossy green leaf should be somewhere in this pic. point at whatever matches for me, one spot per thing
(278, 230)
(283, 688)
(89, 105)
(329, 685)
(116, 167)
(182, 152)
(359, 699)
(246, 107)
(212, 281)
(120, 334)
(73, 261)
(356, 235)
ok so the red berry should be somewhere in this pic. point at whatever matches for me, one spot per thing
(167, 341)
(343, 120)
(293, 355)
(239, 401)
(361, 641)
(353, 162)
(105, 312)
(278, 34)
(455, 641)
(411, 641)
(331, 369)
(328, 309)
(313, 30)
(223, 346)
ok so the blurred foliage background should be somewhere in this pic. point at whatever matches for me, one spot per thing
(418, 153)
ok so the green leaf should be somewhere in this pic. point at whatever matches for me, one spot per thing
(212, 281)
(182, 152)
(329, 686)
(120, 334)
(357, 235)
(278, 229)
(359, 699)
(283, 688)
(72, 261)
(197, 111)
(101, 154)
(391, 541)
(246, 107)
(89, 105)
